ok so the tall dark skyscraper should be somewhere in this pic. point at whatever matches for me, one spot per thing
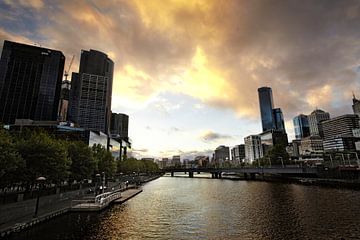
(30, 82)
(266, 108)
(279, 119)
(301, 126)
(91, 90)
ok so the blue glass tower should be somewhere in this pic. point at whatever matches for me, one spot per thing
(266, 108)
(301, 126)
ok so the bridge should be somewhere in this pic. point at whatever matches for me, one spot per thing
(249, 171)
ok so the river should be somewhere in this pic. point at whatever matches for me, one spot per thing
(199, 208)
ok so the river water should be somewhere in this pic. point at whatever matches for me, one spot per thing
(198, 208)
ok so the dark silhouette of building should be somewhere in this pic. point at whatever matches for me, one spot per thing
(356, 105)
(30, 82)
(119, 127)
(301, 126)
(91, 90)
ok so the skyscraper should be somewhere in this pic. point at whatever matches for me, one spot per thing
(315, 118)
(301, 126)
(119, 127)
(279, 119)
(30, 82)
(91, 90)
(266, 108)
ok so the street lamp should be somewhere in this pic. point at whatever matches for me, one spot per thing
(103, 182)
(40, 180)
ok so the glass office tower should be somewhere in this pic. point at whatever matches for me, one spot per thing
(30, 82)
(266, 108)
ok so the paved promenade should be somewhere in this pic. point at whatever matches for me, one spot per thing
(21, 212)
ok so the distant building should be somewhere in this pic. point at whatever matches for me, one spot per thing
(338, 133)
(222, 155)
(91, 90)
(279, 119)
(356, 106)
(238, 154)
(315, 118)
(253, 148)
(271, 118)
(266, 108)
(273, 137)
(30, 82)
(119, 126)
(311, 145)
(201, 161)
(176, 160)
(301, 126)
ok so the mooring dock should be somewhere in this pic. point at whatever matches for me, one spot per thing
(102, 201)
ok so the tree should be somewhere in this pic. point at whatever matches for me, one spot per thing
(44, 156)
(277, 155)
(10, 159)
(104, 159)
(83, 164)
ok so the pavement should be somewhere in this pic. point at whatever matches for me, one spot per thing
(20, 212)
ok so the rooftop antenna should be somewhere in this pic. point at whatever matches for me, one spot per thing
(66, 74)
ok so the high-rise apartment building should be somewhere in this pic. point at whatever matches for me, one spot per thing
(30, 82)
(253, 148)
(91, 90)
(301, 126)
(315, 118)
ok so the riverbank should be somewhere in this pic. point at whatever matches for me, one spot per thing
(16, 217)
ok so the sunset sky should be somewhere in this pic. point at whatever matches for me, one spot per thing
(187, 71)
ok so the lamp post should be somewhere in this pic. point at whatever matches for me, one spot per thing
(103, 182)
(40, 180)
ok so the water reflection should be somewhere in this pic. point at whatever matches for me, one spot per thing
(184, 208)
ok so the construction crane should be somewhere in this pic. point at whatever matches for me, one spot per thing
(66, 74)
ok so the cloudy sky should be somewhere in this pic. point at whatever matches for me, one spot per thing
(187, 71)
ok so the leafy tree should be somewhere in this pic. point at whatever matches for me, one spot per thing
(104, 159)
(44, 156)
(276, 154)
(83, 164)
(10, 159)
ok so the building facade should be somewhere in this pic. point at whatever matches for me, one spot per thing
(64, 100)
(253, 148)
(119, 126)
(279, 119)
(339, 134)
(356, 106)
(301, 126)
(30, 82)
(221, 155)
(238, 154)
(91, 90)
(315, 118)
(311, 145)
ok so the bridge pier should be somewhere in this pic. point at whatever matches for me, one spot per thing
(245, 176)
(172, 174)
(219, 175)
(191, 174)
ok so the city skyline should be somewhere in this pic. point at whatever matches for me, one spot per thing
(185, 94)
